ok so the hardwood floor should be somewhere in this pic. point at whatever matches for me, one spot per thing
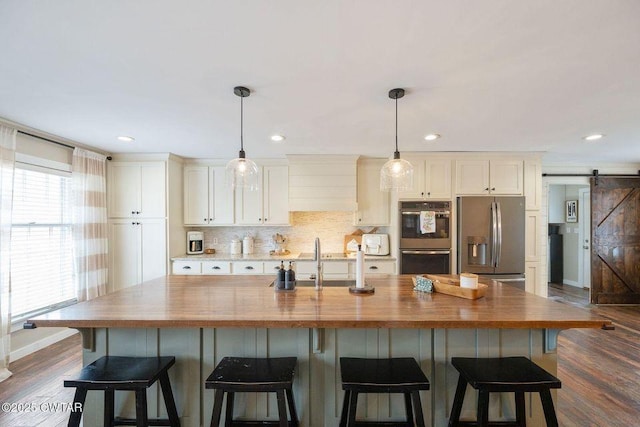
(599, 370)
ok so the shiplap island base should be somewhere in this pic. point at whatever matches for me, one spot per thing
(201, 319)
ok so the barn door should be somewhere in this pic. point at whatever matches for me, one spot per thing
(615, 237)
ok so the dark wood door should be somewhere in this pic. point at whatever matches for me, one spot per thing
(615, 237)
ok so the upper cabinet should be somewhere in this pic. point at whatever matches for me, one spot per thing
(497, 177)
(207, 199)
(431, 180)
(136, 189)
(373, 204)
(270, 204)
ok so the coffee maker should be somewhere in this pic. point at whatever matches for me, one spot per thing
(195, 242)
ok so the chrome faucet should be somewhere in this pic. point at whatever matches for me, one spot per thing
(318, 257)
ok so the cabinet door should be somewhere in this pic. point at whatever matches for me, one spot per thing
(123, 189)
(153, 190)
(418, 181)
(249, 204)
(124, 254)
(472, 177)
(275, 181)
(196, 195)
(437, 175)
(153, 248)
(373, 204)
(221, 203)
(506, 177)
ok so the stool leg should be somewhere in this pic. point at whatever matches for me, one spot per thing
(353, 405)
(407, 407)
(142, 419)
(76, 414)
(108, 407)
(417, 406)
(282, 408)
(547, 406)
(169, 402)
(456, 409)
(292, 408)
(345, 408)
(228, 415)
(520, 409)
(217, 408)
(483, 408)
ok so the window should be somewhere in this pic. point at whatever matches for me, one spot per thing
(41, 242)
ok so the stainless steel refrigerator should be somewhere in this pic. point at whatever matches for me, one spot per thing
(491, 235)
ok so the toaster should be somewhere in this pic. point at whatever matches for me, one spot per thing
(375, 244)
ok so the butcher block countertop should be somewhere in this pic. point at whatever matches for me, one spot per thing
(248, 301)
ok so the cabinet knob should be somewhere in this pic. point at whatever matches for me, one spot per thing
(205, 220)
(186, 267)
(373, 267)
(133, 223)
(133, 212)
(493, 189)
(429, 193)
(265, 220)
(137, 212)
(249, 267)
(215, 267)
(210, 219)
(486, 189)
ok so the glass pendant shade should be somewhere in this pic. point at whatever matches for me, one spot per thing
(242, 173)
(396, 174)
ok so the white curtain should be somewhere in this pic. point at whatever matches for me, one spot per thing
(89, 223)
(7, 160)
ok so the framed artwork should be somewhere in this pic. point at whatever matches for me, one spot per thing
(571, 213)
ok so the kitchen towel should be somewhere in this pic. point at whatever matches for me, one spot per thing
(427, 222)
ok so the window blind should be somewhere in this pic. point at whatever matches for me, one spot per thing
(41, 242)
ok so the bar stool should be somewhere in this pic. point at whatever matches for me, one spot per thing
(241, 374)
(395, 375)
(111, 373)
(503, 374)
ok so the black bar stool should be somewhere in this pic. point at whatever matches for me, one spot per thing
(395, 375)
(502, 374)
(111, 373)
(242, 374)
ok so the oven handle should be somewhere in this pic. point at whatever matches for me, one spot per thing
(444, 252)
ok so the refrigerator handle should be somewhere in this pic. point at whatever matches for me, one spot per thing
(499, 237)
(494, 234)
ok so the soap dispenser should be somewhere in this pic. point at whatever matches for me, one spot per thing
(290, 278)
(280, 278)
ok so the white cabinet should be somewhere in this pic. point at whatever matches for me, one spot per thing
(431, 180)
(216, 267)
(136, 189)
(270, 204)
(137, 251)
(207, 198)
(247, 267)
(373, 267)
(373, 204)
(497, 177)
(187, 267)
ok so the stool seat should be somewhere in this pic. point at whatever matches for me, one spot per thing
(393, 375)
(502, 374)
(244, 374)
(111, 373)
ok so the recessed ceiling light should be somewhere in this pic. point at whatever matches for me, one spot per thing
(432, 137)
(126, 138)
(277, 138)
(593, 137)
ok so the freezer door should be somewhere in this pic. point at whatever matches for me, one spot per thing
(510, 251)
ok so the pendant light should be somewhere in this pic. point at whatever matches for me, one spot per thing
(396, 174)
(242, 172)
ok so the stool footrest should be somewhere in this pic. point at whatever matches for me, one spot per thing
(118, 421)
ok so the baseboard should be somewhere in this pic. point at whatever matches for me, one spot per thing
(40, 344)
(571, 283)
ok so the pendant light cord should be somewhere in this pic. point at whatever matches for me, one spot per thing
(242, 123)
(396, 124)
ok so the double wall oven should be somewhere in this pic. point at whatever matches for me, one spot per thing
(425, 237)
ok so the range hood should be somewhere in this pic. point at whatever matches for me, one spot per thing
(323, 183)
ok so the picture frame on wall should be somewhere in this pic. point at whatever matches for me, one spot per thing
(571, 212)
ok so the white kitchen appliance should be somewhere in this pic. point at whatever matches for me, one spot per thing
(375, 244)
(195, 242)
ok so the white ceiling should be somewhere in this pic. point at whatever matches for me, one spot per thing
(490, 75)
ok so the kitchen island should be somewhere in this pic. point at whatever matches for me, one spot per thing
(200, 319)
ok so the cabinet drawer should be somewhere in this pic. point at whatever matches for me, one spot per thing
(305, 267)
(335, 267)
(186, 267)
(216, 267)
(373, 267)
(272, 267)
(248, 267)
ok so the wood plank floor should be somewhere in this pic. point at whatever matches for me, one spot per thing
(600, 372)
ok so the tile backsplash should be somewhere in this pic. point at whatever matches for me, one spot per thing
(330, 227)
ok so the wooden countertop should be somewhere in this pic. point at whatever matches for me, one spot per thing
(248, 301)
